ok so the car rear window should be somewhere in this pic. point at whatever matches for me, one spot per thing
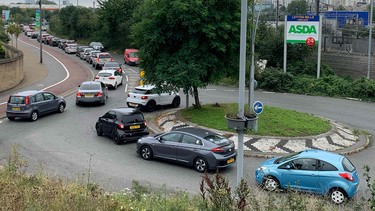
(133, 55)
(104, 74)
(104, 56)
(111, 65)
(133, 118)
(141, 91)
(348, 166)
(17, 100)
(90, 86)
(216, 139)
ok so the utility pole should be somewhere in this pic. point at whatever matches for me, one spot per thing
(369, 40)
(40, 31)
(317, 7)
(277, 14)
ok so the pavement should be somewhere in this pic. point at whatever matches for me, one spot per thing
(341, 138)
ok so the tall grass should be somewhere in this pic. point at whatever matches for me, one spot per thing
(20, 191)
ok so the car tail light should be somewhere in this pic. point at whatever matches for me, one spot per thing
(120, 126)
(97, 60)
(97, 77)
(145, 123)
(119, 69)
(111, 77)
(347, 176)
(217, 150)
(27, 100)
(79, 94)
(111, 60)
(144, 97)
(99, 94)
(128, 95)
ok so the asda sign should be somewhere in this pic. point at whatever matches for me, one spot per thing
(301, 27)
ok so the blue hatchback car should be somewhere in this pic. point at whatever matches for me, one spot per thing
(314, 171)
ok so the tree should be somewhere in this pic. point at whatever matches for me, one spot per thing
(15, 30)
(297, 7)
(187, 43)
(3, 35)
(115, 20)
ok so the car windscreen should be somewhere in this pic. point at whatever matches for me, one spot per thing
(348, 166)
(133, 118)
(104, 74)
(133, 55)
(216, 139)
(287, 157)
(90, 86)
(17, 100)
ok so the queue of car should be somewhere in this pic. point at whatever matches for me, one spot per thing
(313, 171)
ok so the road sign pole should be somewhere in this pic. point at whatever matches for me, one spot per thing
(319, 46)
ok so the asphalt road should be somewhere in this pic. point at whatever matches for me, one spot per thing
(66, 145)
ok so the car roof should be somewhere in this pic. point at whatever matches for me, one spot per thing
(315, 153)
(200, 132)
(107, 71)
(126, 110)
(91, 82)
(145, 87)
(27, 93)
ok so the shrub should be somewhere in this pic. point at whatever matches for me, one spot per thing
(276, 80)
(2, 52)
(309, 68)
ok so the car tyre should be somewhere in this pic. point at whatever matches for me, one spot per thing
(150, 106)
(337, 196)
(99, 130)
(34, 116)
(11, 118)
(270, 183)
(200, 164)
(61, 108)
(176, 101)
(116, 138)
(146, 153)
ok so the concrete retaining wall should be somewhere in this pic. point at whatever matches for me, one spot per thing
(11, 68)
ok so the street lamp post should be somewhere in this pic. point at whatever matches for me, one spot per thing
(369, 40)
(40, 31)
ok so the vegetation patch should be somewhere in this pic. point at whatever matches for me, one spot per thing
(272, 121)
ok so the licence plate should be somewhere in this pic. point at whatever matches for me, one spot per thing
(230, 160)
(16, 109)
(133, 104)
(135, 127)
(89, 95)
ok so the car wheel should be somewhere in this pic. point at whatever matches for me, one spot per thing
(116, 138)
(270, 183)
(11, 118)
(34, 116)
(151, 105)
(146, 153)
(337, 196)
(176, 101)
(200, 164)
(61, 108)
(98, 128)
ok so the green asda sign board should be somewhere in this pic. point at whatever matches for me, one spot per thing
(302, 27)
(37, 19)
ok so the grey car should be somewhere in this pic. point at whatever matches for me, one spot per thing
(31, 104)
(92, 92)
(196, 147)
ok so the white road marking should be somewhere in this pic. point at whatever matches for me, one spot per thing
(230, 90)
(210, 89)
(126, 87)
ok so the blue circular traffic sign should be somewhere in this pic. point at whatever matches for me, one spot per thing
(258, 107)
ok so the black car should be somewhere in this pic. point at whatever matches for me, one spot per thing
(196, 147)
(122, 124)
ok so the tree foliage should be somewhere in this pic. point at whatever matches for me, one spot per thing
(15, 30)
(187, 43)
(297, 7)
(115, 19)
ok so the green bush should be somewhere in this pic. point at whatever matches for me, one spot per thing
(2, 52)
(275, 80)
(309, 68)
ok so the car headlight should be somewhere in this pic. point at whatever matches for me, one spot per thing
(262, 168)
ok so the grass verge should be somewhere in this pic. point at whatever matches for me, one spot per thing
(272, 121)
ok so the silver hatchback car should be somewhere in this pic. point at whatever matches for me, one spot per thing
(92, 92)
(197, 147)
(32, 104)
